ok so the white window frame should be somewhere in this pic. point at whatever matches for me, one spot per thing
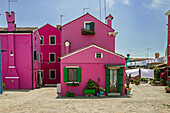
(41, 57)
(86, 22)
(38, 56)
(35, 38)
(97, 53)
(43, 40)
(42, 72)
(54, 58)
(50, 39)
(50, 73)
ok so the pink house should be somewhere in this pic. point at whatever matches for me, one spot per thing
(21, 56)
(50, 52)
(88, 52)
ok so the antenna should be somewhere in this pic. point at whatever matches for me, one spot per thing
(61, 16)
(100, 8)
(105, 9)
(85, 9)
(9, 3)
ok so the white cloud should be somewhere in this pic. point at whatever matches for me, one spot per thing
(157, 4)
(126, 2)
(110, 2)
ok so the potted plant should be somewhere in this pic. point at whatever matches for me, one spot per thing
(127, 81)
(167, 88)
(91, 87)
(132, 81)
(3, 85)
(69, 94)
(102, 90)
(137, 82)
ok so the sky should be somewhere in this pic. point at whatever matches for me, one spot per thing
(141, 23)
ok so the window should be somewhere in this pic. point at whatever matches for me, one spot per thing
(98, 55)
(72, 74)
(38, 57)
(52, 74)
(41, 57)
(35, 55)
(89, 25)
(35, 76)
(42, 40)
(52, 57)
(52, 40)
(35, 38)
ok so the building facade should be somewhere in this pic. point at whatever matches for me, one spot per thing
(50, 52)
(88, 52)
(21, 56)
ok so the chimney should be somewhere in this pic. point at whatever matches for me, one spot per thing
(109, 20)
(10, 20)
(156, 55)
(67, 46)
(128, 57)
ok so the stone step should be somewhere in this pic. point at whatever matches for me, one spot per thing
(113, 94)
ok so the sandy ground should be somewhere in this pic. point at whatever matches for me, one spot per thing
(143, 99)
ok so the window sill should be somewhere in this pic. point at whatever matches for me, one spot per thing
(72, 83)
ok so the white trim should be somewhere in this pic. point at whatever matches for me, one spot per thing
(50, 73)
(15, 33)
(100, 53)
(72, 66)
(43, 40)
(72, 82)
(85, 22)
(54, 58)
(12, 77)
(38, 56)
(50, 40)
(90, 47)
(11, 66)
(41, 56)
(11, 54)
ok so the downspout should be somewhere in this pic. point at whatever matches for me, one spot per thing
(32, 61)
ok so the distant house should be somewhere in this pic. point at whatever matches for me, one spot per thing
(21, 59)
(88, 52)
(50, 52)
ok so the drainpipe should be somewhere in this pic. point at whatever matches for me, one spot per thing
(32, 62)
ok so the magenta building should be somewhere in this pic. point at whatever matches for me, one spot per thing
(21, 56)
(88, 52)
(50, 52)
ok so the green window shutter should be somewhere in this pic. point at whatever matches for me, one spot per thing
(91, 26)
(107, 80)
(65, 75)
(120, 80)
(79, 75)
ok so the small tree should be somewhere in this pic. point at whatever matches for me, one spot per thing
(156, 73)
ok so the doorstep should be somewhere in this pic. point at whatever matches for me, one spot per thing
(50, 85)
(113, 94)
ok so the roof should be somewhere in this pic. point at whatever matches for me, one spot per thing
(20, 29)
(92, 17)
(48, 25)
(167, 13)
(92, 45)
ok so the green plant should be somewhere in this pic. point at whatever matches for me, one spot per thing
(101, 89)
(128, 88)
(136, 81)
(91, 84)
(3, 85)
(168, 84)
(156, 73)
(127, 80)
(153, 81)
(83, 29)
